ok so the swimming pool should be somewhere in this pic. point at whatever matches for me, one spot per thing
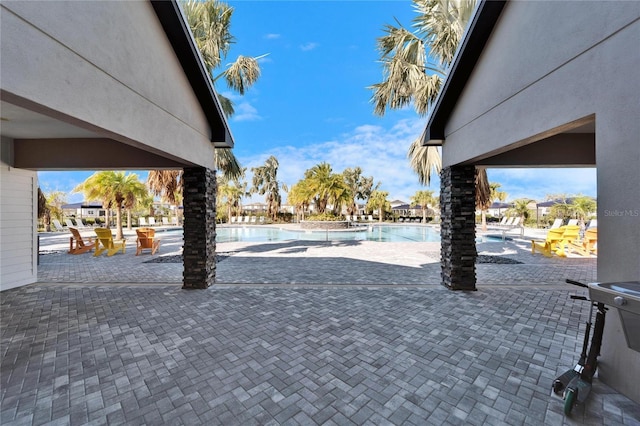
(366, 233)
(381, 233)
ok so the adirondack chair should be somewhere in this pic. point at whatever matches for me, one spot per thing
(77, 245)
(106, 243)
(588, 245)
(146, 240)
(546, 246)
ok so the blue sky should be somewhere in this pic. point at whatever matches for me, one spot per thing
(311, 103)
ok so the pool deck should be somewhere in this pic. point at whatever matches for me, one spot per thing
(296, 332)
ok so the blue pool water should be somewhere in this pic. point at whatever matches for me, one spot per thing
(376, 233)
(382, 233)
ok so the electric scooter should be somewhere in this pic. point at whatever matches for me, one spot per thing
(575, 384)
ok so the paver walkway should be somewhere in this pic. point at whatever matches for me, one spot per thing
(394, 348)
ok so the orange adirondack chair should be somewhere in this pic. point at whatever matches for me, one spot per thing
(146, 240)
(106, 243)
(77, 244)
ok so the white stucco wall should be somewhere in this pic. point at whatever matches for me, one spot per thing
(18, 218)
(546, 65)
(110, 67)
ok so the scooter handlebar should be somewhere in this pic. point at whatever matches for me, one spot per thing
(579, 284)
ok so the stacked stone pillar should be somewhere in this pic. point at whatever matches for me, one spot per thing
(458, 229)
(199, 253)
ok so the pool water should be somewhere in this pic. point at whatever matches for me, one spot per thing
(376, 233)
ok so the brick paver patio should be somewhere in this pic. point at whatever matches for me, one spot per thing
(115, 340)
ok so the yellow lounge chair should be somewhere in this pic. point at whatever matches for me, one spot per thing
(146, 240)
(556, 240)
(588, 245)
(570, 235)
(545, 247)
(106, 243)
(77, 244)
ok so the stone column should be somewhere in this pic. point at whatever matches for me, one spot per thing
(199, 201)
(458, 228)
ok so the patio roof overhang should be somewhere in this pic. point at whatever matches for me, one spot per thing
(177, 29)
(464, 61)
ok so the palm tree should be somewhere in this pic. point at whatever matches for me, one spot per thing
(582, 206)
(134, 192)
(521, 209)
(265, 182)
(230, 193)
(43, 210)
(210, 23)
(493, 188)
(413, 76)
(424, 199)
(300, 196)
(167, 184)
(378, 201)
(114, 189)
(359, 186)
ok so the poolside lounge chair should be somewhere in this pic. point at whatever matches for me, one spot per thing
(57, 225)
(261, 219)
(556, 240)
(556, 223)
(572, 222)
(106, 243)
(370, 218)
(593, 223)
(165, 221)
(509, 221)
(588, 245)
(503, 221)
(246, 219)
(570, 235)
(142, 221)
(174, 220)
(152, 221)
(77, 245)
(233, 219)
(254, 219)
(146, 240)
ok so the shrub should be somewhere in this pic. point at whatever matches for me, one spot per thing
(323, 217)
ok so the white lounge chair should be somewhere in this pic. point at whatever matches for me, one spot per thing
(70, 224)
(57, 225)
(572, 222)
(556, 223)
(142, 222)
(165, 221)
(370, 218)
(152, 221)
(174, 220)
(254, 219)
(593, 223)
(503, 221)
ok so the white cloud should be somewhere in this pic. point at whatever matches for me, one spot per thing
(381, 153)
(272, 36)
(308, 46)
(245, 112)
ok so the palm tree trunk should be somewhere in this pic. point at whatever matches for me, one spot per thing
(424, 215)
(118, 223)
(129, 219)
(484, 220)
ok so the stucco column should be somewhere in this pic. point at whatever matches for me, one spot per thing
(458, 229)
(199, 201)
